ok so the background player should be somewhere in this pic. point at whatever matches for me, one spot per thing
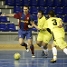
(43, 36)
(25, 20)
(56, 26)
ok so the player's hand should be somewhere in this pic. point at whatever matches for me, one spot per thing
(3, 14)
(33, 24)
(43, 29)
(30, 26)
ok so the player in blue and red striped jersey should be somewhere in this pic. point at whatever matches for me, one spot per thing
(25, 25)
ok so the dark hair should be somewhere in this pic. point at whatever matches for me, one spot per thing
(40, 11)
(51, 13)
(26, 6)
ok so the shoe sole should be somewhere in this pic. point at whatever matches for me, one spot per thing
(53, 61)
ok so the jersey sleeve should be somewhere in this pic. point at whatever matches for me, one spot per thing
(42, 24)
(17, 15)
(39, 24)
(31, 18)
(60, 22)
(45, 24)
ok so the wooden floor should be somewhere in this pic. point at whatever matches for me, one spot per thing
(17, 46)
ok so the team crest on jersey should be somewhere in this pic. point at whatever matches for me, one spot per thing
(27, 18)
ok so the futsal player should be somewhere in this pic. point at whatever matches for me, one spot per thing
(43, 36)
(56, 26)
(25, 20)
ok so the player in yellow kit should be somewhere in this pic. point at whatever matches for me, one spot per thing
(56, 26)
(43, 35)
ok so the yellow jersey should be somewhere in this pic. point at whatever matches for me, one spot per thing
(44, 36)
(42, 23)
(53, 24)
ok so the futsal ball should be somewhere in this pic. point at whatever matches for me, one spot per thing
(17, 56)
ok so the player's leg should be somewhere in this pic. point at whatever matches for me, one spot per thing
(41, 42)
(54, 52)
(22, 43)
(29, 40)
(61, 44)
(46, 39)
(31, 46)
(39, 39)
(21, 39)
(65, 50)
(45, 49)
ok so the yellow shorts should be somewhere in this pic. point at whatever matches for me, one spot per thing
(44, 36)
(58, 33)
(60, 43)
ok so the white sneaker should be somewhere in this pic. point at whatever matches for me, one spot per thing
(27, 50)
(33, 56)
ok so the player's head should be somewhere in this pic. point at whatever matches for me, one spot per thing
(51, 13)
(25, 9)
(40, 14)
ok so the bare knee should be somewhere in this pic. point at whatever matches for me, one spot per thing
(39, 43)
(21, 41)
(44, 45)
(53, 45)
(30, 42)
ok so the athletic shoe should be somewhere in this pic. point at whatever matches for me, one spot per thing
(27, 50)
(33, 56)
(44, 54)
(53, 61)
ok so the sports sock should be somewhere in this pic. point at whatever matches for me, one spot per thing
(32, 49)
(45, 50)
(54, 51)
(65, 51)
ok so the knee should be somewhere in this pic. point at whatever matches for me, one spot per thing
(22, 44)
(21, 41)
(45, 46)
(39, 44)
(30, 43)
(53, 45)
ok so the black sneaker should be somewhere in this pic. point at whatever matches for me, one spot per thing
(43, 54)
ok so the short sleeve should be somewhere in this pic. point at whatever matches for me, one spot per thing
(60, 22)
(31, 18)
(18, 15)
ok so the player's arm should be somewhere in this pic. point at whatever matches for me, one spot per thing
(31, 20)
(36, 26)
(15, 15)
(39, 28)
(31, 26)
(60, 24)
(45, 25)
(9, 15)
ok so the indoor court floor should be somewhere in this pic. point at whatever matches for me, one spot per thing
(7, 60)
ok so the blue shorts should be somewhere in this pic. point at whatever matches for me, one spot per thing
(23, 34)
